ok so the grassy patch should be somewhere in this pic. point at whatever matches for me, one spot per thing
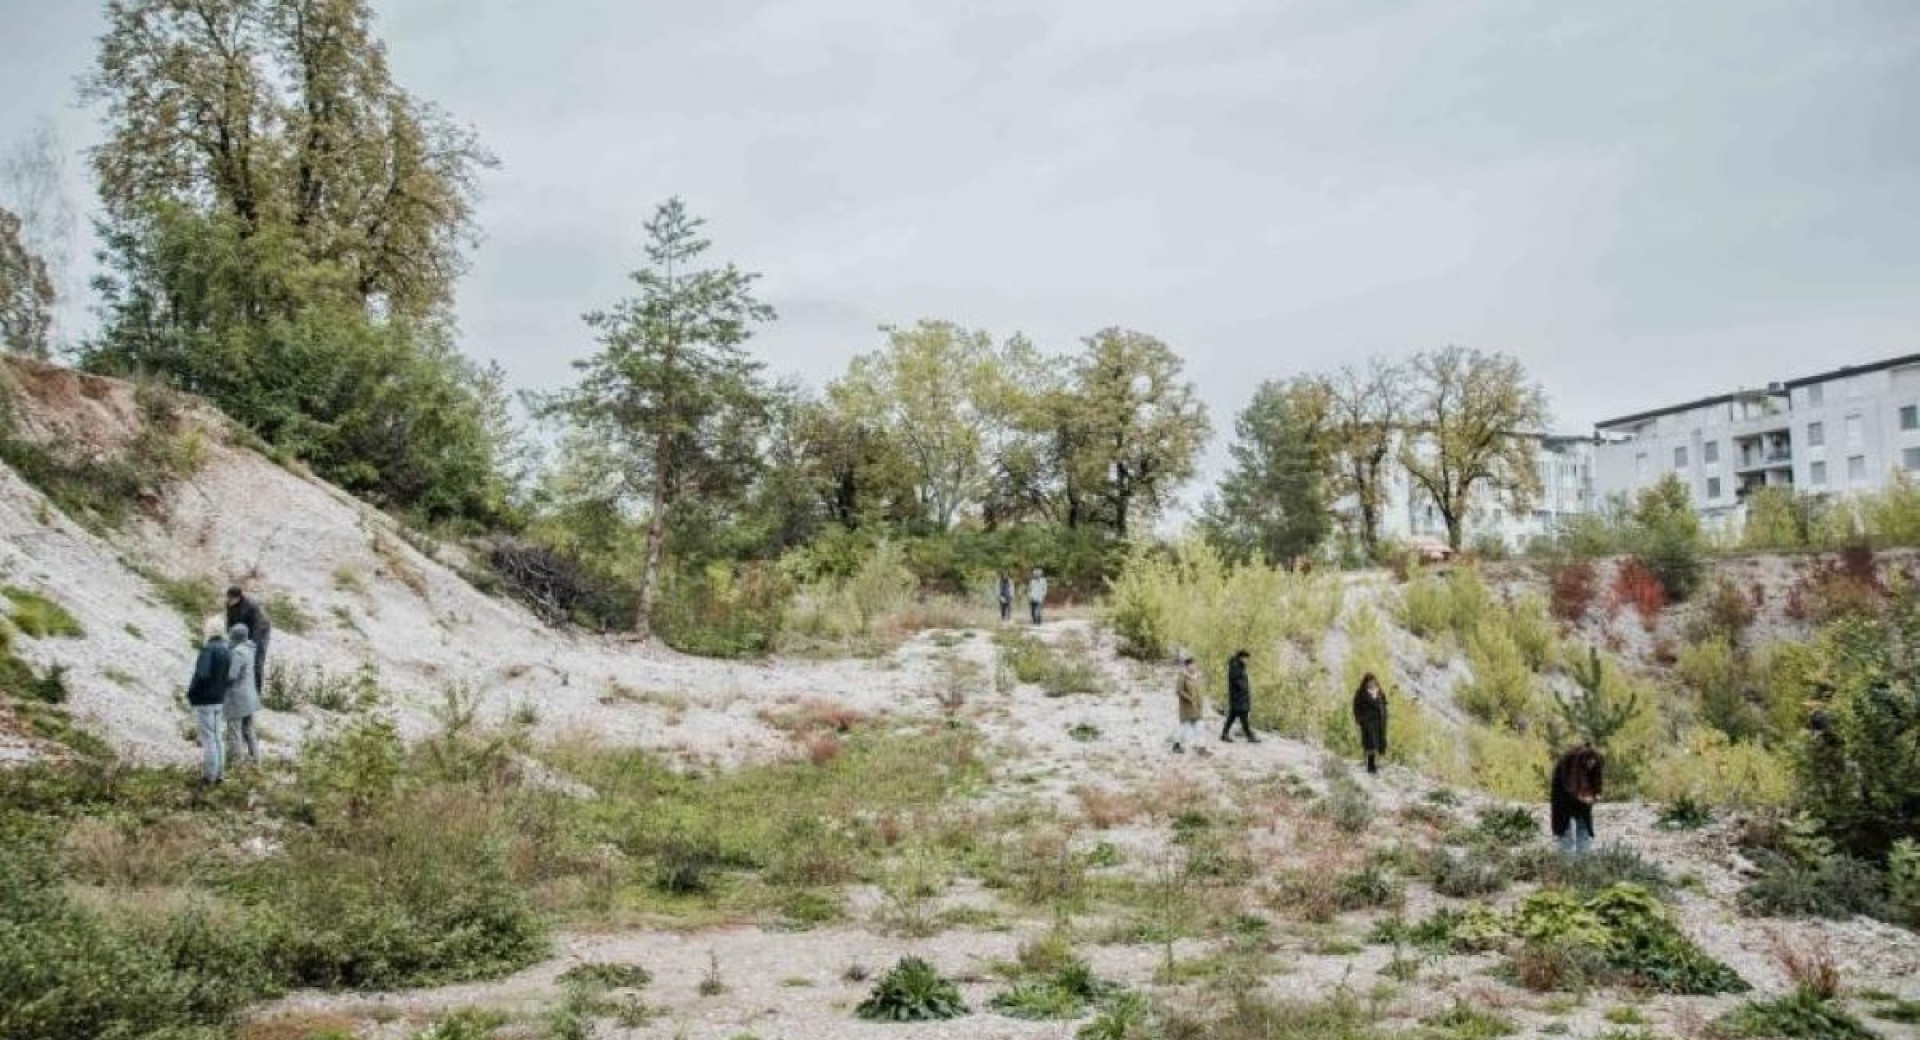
(1058, 670)
(912, 992)
(1800, 1015)
(38, 617)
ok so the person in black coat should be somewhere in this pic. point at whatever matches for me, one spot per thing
(243, 611)
(207, 697)
(1239, 699)
(1370, 715)
(1576, 785)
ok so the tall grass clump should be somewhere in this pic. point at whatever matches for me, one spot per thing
(1436, 603)
(848, 614)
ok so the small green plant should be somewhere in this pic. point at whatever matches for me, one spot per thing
(1504, 827)
(1124, 1017)
(38, 617)
(1684, 814)
(712, 984)
(1463, 1021)
(1346, 804)
(604, 975)
(1084, 732)
(1478, 872)
(465, 1024)
(912, 992)
(1601, 868)
(1800, 1015)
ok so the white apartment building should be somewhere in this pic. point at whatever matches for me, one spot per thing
(1841, 432)
(1565, 467)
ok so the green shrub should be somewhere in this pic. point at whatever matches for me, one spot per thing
(1057, 670)
(1833, 886)
(1124, 1017)
(912, 992)
(1463, 1021)
(604, 975)
(1366, 888)
(1622, 927)
(723, 610)
(1346, 804)
(1800, 1015)
(1501, 690)
(1480, 872)
(1684, 814)
(1872, 730)
(1504, 826)
(38, 617)
(1601, 868)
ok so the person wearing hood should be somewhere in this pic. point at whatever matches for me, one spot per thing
(242, 610)
(1239, 699)
(206, 696)
(243, 697)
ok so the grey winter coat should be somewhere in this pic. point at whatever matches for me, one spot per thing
(243, 697)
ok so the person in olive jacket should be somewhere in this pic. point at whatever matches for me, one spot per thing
(1370, 715)
(1239, 699)
(241, 610)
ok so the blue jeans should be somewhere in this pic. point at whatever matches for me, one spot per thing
(1578, 836)
(210, 720)
(1034, 606)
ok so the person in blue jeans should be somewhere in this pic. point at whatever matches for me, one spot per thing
(1577, 782)
(1036, 593)
(207, 698)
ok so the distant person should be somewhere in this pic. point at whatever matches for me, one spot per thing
(243, 611)
(1239, 699)
(206, 696)
(1187, 689)
(1037, 593)
(1370, 715)
(243, 697)
(1576, 786)
(1006, 597)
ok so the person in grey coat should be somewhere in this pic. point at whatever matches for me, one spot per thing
(243, 697)
(1037, 593)
(206, 693)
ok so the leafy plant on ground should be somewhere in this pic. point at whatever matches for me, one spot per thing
(1463, 1021)
(1600, 868)
(1800, 1015)
(1684, 814)
(605, 975)
(912, 992)
(1625, 928)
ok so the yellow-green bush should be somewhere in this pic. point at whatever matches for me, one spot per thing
(1190, 598)
(846, 613)
(1531, 629)
(1414, 737)
(1508, 764)
(1501, 690)
(1708, 767)
(1433, 604)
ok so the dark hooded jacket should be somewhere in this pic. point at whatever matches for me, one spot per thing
(1370, 714)
(1239, 690)
(209, 684)
(248, 613)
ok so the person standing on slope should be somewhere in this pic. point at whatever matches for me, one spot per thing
(1006, 597)
(1186, 688)
(243, 698)
(1370, 715)
(206, 696)
(1239, 699)
(1576, 785)
(1037, 593)
(243, 611)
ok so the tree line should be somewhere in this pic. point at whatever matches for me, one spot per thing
(284, 226)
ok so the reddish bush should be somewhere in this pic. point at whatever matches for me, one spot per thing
(821, 748)
(1858, 563)
(1637, 587)
(1796, 608)
(1572, 591)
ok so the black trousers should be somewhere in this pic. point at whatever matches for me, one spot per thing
(1570, 812)
(1237, 713)
(1006, 610)
(260, 661)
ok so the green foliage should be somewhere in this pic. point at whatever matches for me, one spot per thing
(1346, 804)
(1272, 505)
(1475, 928)
(38, 617)
(1800, 1015)
(1814, 882)
(1501, 690)
(606, 975)
(1463, 1021)
(1858, 778)
(1478, 872)
(1061, 990)
(1504, 826)
(1454, 601)
(1602, 711)
(1124, 1017)
(1684, 814)
(1468, 402)
(721, 610)
(912, 992)
(1668, 539)
(1628, 930)
(103, 491)
(1058, 670)
(1601, 868)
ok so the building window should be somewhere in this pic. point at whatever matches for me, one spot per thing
(1910, 459)
(1817, 474)
(1816, 395)
(1640, 466)
(1856, 469)
(1680, 457)
(1816, 434)
(1910, 417)
(1710, 454)
(1713, 488)
(1855, 431)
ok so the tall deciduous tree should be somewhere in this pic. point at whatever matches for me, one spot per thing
(26, 292)
(1273, 501)
(1364, 412)
(671, 396)
(1473, 428)
(943, 394)
(1135, 425)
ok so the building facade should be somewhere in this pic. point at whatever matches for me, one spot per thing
(1565, 469)
(1847, 431)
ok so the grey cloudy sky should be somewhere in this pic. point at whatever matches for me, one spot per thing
(1643, 200)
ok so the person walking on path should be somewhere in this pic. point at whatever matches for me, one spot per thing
(1576, 786)
(1370, 715)
(1187, 689)
(243, 611)
(1037, 593)
(1239, 699)
(206, 696)
(243, 698)
(1006, 597)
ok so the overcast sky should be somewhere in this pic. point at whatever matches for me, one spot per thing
(1645, 201)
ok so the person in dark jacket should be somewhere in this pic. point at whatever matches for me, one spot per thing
(244, 611)
(1370, 715)
(207, 696)
(1239, 698)
(1576, 786)
(1006, 598)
